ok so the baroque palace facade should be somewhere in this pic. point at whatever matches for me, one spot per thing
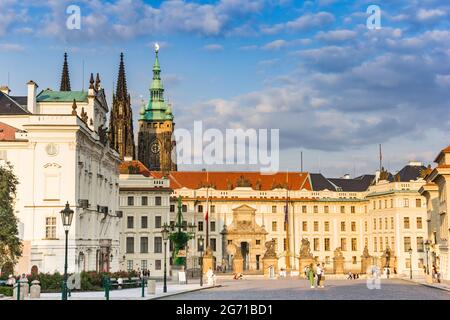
(378, 212)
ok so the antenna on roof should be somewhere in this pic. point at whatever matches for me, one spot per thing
(381, 158)
(82, 72)
(301, 161)
(8, 80)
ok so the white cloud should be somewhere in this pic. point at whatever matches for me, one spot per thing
(443, 80)
(425, 15)
(213, 47)
(11, 47)
(336, 35)
(275, 45)
(305, 22)
(281, 43)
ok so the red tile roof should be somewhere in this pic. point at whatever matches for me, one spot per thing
(7, 133)
(230, 180)
(134, 167)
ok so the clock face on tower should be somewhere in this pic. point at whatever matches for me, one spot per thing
(154, 147)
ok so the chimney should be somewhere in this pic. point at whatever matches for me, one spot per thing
(5, 90)
(31, 101)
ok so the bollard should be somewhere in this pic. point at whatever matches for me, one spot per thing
(143, 287)
(18, 290)
(35, 290)
(151, 286)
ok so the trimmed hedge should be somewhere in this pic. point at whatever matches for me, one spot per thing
(7, 291)
(90, 280)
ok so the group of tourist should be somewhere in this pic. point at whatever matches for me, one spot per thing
(12, 280)
(353, 276)
(316, 276)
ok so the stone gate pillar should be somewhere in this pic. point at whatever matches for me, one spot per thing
(208, 260)
(270, 259)
(338, 262)
(306, 258)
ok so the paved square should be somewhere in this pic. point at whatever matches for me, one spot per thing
(297, 289)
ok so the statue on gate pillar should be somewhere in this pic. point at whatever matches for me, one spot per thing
(238, 260)
(306, 257)
(366, 260)
(270, 259)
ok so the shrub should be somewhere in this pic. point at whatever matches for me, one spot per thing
(7, 291)
(50, 282)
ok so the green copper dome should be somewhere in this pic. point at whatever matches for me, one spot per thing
(156, 108)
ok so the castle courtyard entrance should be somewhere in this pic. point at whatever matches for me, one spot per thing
(246, 239)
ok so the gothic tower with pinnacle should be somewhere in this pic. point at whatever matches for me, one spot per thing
(121, 134)
(156, 148)
(65, 79)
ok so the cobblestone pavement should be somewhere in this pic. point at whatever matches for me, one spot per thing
(296, 289)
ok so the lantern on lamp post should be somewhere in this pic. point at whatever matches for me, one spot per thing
(165, 235)
(66, 218)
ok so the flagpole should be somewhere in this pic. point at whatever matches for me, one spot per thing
(286, 220)
(207, 210)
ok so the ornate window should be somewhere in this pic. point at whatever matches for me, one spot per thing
(50, 228)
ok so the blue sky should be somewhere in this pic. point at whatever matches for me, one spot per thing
(311, 68)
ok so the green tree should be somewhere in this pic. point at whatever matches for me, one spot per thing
(179, 238)
(10, 244)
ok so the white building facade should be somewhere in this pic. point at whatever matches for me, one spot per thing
(59, 154)
(145, 203)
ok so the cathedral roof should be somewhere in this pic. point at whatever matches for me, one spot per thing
(62, 96)
(220, 180)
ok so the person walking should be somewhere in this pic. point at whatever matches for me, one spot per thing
(311, 275)
(322, 276)
(319, 274)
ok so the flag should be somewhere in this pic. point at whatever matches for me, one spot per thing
(207, 206)
(286, 211)
(286, 208)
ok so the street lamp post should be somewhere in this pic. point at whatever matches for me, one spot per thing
(66, 217)
(410, 263)
(200, 249)
(165, 235)
(191, 229)
(427, 249)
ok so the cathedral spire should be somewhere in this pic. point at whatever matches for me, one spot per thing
(121, 134)
(121, 90)
(156, 88)
(65, 80)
